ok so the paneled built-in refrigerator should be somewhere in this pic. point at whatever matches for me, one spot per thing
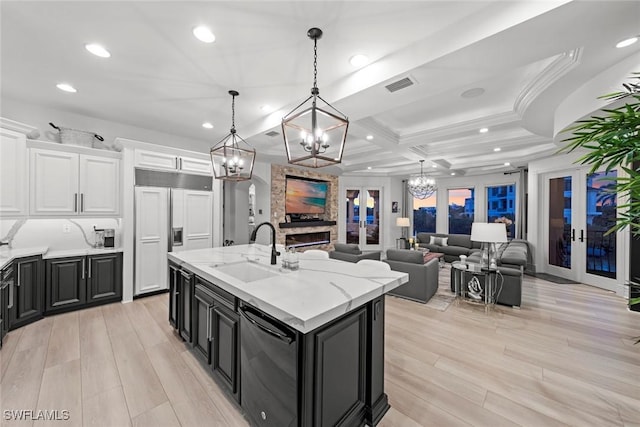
(167, 219)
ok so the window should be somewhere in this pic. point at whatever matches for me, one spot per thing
(461, 210)
(424, 214)
(500, 206)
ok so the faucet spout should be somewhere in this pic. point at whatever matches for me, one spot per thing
(274, 253)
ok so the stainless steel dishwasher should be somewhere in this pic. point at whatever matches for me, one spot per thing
(268, 363)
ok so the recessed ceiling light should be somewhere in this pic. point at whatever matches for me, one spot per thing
(627, 42)
(66, 87)
(97, 50)
(359, 60)
(369, 167)
(267, 108)
(472, 93)
(433, 165)
(204, 34)
(453, 173)
(369, 137)
(483, 130)
(207, 125)
(497, 149)
(507, 164)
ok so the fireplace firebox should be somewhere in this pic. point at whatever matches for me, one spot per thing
(307, 239)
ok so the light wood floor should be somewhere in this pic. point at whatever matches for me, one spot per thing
(565, 358)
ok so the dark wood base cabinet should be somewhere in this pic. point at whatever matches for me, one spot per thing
(78, 282)
(27, 299)
(332, 376)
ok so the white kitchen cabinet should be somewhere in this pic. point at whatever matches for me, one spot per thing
(191, 165)
(68, 183)
(99, 185)
(13, 173)
(152, 239)
(153, 160)
(171, 162)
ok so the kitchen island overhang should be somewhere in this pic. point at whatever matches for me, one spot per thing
(333, 310)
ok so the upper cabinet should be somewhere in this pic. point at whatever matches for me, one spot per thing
(172, 162)
(69, 183)
(13, 173)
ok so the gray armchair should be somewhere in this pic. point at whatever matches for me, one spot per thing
(423, 278)
(351, 252)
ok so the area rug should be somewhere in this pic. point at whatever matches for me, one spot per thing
(554, 279)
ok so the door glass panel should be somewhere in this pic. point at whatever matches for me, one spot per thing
(424, 214)
(601, 216)
(461, 210)
(353, 216)
(373, 217)
(560, 222)
(501, 207)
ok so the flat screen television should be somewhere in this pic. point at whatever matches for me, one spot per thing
(305, 196)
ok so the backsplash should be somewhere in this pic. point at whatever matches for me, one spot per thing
(57, 234)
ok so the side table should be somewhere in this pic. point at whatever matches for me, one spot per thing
(475, 269)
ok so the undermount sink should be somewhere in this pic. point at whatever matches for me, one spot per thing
(245, 271)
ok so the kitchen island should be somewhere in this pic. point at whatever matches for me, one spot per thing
(293, 348)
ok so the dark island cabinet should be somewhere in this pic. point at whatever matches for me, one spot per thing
(27, 299)
(181, 290)
(83, 281)
(216, 329)
(6, 290)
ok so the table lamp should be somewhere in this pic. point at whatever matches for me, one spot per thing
(488, 233)
(404, 223)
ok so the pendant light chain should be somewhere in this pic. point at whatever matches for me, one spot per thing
(315, 63)
(233, 113)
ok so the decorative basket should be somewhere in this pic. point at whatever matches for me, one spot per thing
(76, 137)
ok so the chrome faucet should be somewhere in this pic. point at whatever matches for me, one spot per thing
(274, 253)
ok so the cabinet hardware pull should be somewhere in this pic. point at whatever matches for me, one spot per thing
(82, 268)
(209, 328)
(81, 202)
(18, 280)
(180, 162)
(89, 269)
(75, 202)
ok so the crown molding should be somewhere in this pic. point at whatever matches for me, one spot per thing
(552, 73)
(30, 131)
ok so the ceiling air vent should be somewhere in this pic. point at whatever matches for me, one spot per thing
(272, 133)
(400, 84)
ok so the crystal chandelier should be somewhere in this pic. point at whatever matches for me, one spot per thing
(230, 161)
(422, 186)
(314, 135)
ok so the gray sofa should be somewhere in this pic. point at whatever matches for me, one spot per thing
(423, 278)
(513, 259)
(351, 252)
(451, 245)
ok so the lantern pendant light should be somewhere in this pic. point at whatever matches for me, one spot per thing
(314, 132)
(421, 186)
(230, 160)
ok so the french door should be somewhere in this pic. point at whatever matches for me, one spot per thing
(363, 217)
(578, 211)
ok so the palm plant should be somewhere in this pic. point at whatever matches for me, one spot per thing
(613, 140)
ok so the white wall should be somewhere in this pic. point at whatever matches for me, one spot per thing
(40, 116)
(236, 205)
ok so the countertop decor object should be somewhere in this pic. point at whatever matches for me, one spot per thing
(314, 135)
(421, 186)
(231, 161)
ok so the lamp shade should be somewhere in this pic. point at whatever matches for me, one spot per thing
(488, 232)
(403, 222)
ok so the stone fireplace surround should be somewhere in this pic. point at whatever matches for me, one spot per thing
(328, 223)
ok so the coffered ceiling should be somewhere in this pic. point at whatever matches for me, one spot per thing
(500, 65)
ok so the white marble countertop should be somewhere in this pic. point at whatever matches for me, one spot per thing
(8, 255)
(321, 290)
(79, 252)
